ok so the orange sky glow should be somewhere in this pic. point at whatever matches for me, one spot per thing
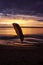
(30, 22)
(21, 21)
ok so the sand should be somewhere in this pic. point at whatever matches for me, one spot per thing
(22, 54)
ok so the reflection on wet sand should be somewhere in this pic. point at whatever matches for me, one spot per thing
(28, 41)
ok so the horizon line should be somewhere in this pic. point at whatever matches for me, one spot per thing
(22, 27)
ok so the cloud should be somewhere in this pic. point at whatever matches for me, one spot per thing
(40, 20)
(29, 7)
(21, 16)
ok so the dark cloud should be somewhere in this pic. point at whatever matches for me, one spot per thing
(32, 7)
(40, 20)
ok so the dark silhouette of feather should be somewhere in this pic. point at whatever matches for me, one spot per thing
(18, 31)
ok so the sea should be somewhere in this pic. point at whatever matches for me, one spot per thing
(34, 35)
(29, 30)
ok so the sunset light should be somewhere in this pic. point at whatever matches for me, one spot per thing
(5, 20)
(21, 21)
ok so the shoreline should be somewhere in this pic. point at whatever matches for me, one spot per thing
(29, 40)
(25, 35)
(18, 54)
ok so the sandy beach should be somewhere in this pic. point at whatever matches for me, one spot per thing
(15, 53)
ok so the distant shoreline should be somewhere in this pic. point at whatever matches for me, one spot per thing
(22, 27)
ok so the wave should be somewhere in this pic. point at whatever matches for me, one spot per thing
(40, 36)
(14, 40)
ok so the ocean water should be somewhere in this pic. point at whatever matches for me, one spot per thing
(7, 32)
(11, 31)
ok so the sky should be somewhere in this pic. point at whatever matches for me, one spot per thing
(23, 12)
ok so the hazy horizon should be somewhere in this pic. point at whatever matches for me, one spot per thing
(22, 20)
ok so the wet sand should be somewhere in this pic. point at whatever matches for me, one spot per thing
(20, 54)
